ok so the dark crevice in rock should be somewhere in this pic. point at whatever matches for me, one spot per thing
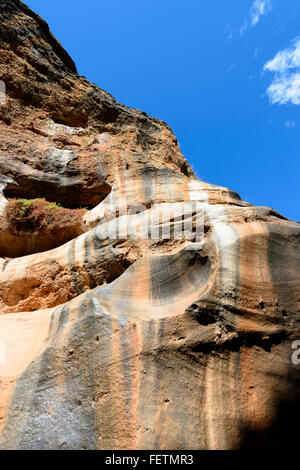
(6, 120)
(233, 343)
(117, 269)
(74, 119)
(71, 196)
(198, 259)
(204, 315)
(222, 307)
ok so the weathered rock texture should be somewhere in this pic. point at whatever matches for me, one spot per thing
(131, 343)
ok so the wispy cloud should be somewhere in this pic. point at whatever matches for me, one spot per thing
(231, 67)
(289, 123)
(285, 86)
(258, 9)
(244, 27)
(255, 53)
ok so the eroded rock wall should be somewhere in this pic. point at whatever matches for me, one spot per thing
(134, 341)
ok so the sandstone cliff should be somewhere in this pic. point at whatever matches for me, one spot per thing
(130, 342)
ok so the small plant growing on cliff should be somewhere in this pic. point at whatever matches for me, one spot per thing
(24, 204)
(53, 206)
(35, 215)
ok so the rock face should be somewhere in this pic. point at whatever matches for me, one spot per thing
(114, 335)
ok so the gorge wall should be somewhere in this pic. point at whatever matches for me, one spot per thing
(130, 342)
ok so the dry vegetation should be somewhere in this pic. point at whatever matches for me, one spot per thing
(39, 215)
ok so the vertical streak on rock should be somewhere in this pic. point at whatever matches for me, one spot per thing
(136, 341)
(283, 257)
(31, 345)
(147, 398)
(210, 404)
(130, 349)
(217, 382)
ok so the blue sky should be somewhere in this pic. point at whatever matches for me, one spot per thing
(225, 75)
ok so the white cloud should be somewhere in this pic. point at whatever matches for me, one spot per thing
(286, 59)
(258, 9)
(285, 89)
(285, 86)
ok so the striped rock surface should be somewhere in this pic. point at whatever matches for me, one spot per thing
(133, 334)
